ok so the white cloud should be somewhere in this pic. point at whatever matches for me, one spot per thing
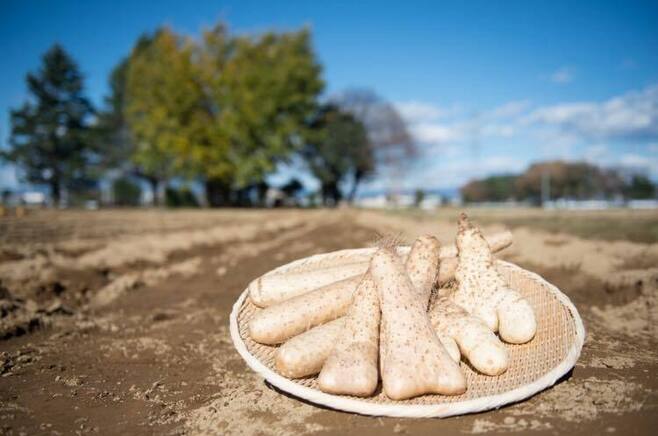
(510, 109)
(638, 162)
(503, 163)
(418, 111)
(434, 133)
(562, 76)
(635, 161)
(428, 130)
(498, 129)
(595, 153)
(630, 116)
(456, 172)
(519, 133)
(561, 113)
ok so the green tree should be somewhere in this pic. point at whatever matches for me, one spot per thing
(163, 106)
(555, 179)
(226, 110)
(261, 92)
(126, 192)
(180, 197)
(579, 180)
(419, 197)
(390, 145)
(338, 148)
(50, 134)
(492, 188)
(112, 131)
(291, 190)
(640, 187)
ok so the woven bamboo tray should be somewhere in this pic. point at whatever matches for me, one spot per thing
(533, 366)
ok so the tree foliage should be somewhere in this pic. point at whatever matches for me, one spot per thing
(50, 134)
(338, 149)
(262, 91)
(640, 187)
(180, 197)
(163, 105)
(126, 192)
(569, 180)
(493, 188)
(575, 180)
(112, 133)
(387, 131)
(225, 110)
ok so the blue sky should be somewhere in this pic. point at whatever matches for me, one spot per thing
(486, 86)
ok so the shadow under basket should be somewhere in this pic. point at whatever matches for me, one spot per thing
(533, 366)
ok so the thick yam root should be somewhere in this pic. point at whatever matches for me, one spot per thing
(415, 362)
(276, 324)
(422, 266)
(451, 347)
(483, 293)
(305, 354)
(476, 341)
(351, 368)
(271, 289)
(274, 288)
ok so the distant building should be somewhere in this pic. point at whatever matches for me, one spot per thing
(401, 201)
(33, 198)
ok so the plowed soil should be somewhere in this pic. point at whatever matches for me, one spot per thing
(116, 322)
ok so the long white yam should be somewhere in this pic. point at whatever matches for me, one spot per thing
(414, 258)
(422, 266)
(351, 368)
(304, 355)
(483, 293)
(475, 340)
(276, 287)
(277, 323)
(451, 347)
(498, 241)
(415, 362)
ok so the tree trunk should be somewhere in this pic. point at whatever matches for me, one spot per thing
(355, 185)
(331, 194)
(56, 191)
(261, 189)
(325, 194)
(242, 197)
(218, 193)
(336, 194)
(155, 188)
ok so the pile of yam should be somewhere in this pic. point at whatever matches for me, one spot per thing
(403, 320)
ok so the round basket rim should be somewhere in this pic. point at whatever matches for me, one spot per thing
(409, 410)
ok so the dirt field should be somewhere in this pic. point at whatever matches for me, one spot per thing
(117, 322)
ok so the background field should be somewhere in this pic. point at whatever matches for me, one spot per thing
(117, 321)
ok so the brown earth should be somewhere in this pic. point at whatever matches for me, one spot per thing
(117, 322)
